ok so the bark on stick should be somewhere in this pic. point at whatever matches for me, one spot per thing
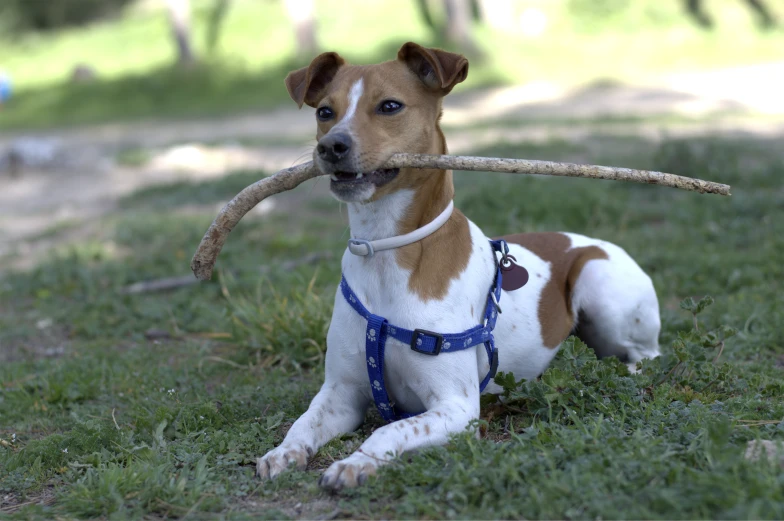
(207, 253)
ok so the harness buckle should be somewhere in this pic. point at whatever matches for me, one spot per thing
(422, 332)
(495, 301)
(494, 364)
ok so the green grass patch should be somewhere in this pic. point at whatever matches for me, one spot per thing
(158, 404)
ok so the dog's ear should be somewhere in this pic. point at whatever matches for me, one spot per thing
(306, 84)
(438, 70)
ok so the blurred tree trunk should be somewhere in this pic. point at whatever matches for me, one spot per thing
(458, 25)
(455, 27)
(180, 22)
(302, 16)
(766, 19)
(697, 11)
(424, 12)
(215, 25)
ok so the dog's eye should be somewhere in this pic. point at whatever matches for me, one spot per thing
(389, 106)
(325, 113)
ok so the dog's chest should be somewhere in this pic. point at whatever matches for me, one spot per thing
(382, 286)
(412, 378)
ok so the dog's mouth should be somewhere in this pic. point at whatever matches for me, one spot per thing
(377, 177)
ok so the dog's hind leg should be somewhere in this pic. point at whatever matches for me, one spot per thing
(334, 410)
(617, 308)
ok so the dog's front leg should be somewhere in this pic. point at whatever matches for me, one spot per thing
(334, 410)
(429, 428)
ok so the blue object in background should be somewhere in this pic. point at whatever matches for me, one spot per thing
(5, 88)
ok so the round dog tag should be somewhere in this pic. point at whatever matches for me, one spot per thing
(514, 275)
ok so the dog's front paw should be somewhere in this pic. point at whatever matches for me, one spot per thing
(350, 472)
(279, 459)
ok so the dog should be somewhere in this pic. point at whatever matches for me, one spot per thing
(415, 262)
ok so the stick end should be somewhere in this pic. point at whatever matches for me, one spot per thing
(202, 272)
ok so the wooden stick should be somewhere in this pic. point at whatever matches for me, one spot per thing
(528, 166)
(204, 259)
(212, 242)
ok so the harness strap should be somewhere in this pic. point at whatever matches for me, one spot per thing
(375, 342)
(423, 341)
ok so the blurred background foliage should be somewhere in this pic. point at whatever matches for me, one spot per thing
(82, 61)
(19, 16)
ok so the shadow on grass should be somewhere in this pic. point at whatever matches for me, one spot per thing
(208, 89)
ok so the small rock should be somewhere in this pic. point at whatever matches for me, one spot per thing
(44, 323)
(156, 334)
(770, 449)
(54, 351)
(83, 73)
(31, 152)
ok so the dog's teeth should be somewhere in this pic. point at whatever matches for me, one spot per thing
(359, 175)
(333, 177)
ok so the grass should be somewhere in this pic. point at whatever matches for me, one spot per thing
(124, 406)
(133, 55)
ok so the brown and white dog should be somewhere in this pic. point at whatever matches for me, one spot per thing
(439, 283)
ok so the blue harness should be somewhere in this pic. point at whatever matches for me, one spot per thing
(423, 341)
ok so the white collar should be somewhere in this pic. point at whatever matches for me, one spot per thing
(364, 248)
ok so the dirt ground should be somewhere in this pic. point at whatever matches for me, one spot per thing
(90, 175)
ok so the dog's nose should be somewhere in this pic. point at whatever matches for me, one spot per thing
(334, 147)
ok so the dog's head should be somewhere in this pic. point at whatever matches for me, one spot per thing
(365, 114)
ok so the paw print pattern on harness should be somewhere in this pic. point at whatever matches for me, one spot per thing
(378, 330)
